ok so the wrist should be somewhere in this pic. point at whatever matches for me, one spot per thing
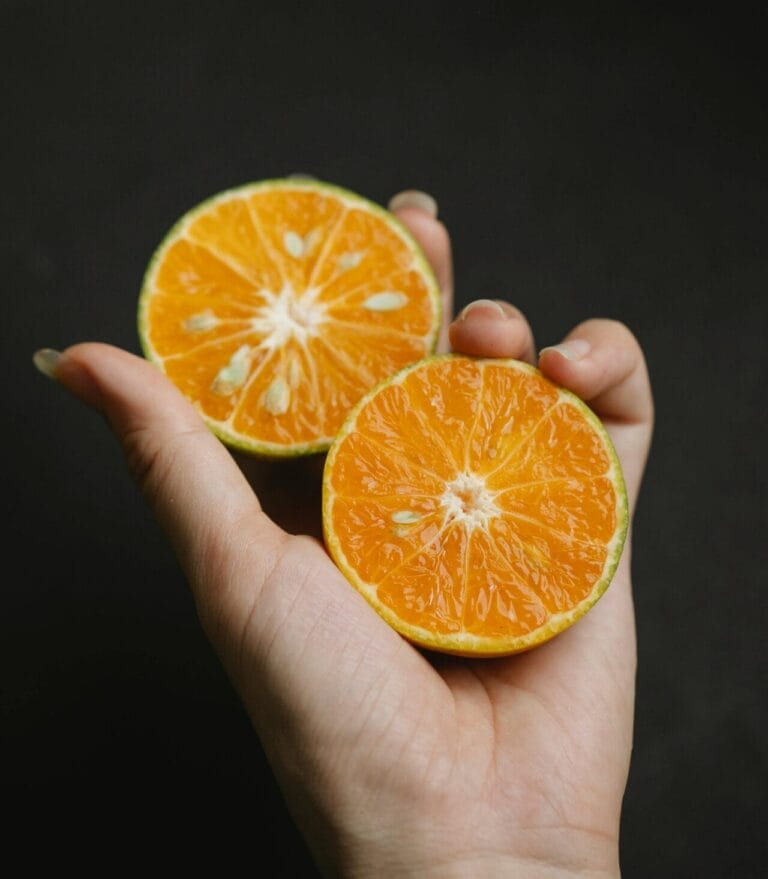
(498, 867)
(492, 866)
(562, 855)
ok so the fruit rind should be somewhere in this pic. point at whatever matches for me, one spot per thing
(467, 644)
(261, 448)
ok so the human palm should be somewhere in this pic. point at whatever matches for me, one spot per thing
(392, 760)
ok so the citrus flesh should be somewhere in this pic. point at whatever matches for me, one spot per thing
(478, 507)
(276, 305)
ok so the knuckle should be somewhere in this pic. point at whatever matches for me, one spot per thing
(622, 332)
(141, 453)
(151, 456)
(512, 310)
(615, 331)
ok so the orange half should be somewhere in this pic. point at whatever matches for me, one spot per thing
(276, 305)
(478, 507)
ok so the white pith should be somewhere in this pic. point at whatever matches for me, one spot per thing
(466, 500)
(288, 315)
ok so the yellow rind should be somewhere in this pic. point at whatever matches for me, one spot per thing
(230, 438)
(466, 644)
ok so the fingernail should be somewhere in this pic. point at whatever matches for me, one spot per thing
(495, 307)
(47, 360)
(414, 198)
(573, 349)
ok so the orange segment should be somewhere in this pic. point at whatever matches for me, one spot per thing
(194, 273)
(226, 229)
(448, 395)
(396, 303)
(362, 249)
(339, 383)
(584, 509)
(514, 403)
(213, 376)
(462, 551)
(563, 444)
(368, 468)
(276, 306)
(297, 225)
(198, 299)
(501, 603)
(270, 405)
(382, 533)
(180, 325)
(367, 351)
(561, 570)
(395, 424)
(427, 587)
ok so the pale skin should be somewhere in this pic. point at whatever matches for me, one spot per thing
(395, 762)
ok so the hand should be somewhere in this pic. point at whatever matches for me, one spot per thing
(392, 762)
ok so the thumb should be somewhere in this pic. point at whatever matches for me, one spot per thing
(196, 491)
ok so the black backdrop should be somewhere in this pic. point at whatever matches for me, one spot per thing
(588, 161)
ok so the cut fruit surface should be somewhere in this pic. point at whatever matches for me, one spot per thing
(478, 507)
(276, 305)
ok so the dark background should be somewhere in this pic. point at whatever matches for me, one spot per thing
(588, 161)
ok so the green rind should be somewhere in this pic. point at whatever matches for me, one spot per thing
(266, 449)
(470, 645)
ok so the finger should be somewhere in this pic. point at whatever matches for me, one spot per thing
(492, 328)
(417, 211)
(602, 362)
(197, 492)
